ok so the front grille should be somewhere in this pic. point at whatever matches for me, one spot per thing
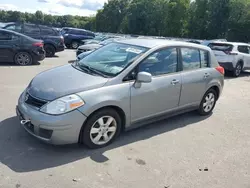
(34, 101)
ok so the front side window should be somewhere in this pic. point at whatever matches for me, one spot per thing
(112, 59)
(160, 62)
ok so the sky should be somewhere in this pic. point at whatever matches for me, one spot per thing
(55, 7)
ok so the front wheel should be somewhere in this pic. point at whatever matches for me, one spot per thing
(101, 129)
(23, 59)
(74, 44)
(208, 102)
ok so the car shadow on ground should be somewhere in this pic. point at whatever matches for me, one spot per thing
(54, 56)
(12, 64)
(23, 153)
(228, 76)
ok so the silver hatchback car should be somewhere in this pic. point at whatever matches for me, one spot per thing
(120, 86)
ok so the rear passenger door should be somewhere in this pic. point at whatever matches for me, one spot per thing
(195, 75)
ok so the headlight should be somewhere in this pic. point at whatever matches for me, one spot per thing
(63, 105)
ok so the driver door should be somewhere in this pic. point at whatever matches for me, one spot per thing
(163, 93)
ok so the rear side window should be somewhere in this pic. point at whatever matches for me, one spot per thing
(221, 47)
(14, 27)
(243, 49)
(31, 29)
(193, 59)
(47, 31)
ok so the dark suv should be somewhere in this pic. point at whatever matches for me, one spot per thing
(73, 36)
(53, 41)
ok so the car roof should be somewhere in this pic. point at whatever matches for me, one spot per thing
(230, 43)
(152, 43)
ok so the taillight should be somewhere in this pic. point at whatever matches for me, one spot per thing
(62, 39)
(231, 53)
(38, 44)
(220, 69)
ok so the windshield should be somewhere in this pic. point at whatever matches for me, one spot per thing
(112, 58)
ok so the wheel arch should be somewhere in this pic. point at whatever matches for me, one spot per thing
(241, 61)
(114, 107)
(22, 50)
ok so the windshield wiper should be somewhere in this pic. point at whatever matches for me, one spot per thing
(90, 69)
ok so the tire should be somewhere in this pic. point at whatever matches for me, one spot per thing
(210, 98)
(50, 50)
(74, 45)
(96, 139)
(237, 70)
(23, 59)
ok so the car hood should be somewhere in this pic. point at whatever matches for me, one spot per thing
(89, 46)
(62, 81)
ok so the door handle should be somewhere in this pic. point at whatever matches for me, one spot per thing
(174, 82)
(206, 75)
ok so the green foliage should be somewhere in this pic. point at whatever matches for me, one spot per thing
(46, 19)
(200, 19)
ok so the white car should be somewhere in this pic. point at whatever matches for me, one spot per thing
(234, 57)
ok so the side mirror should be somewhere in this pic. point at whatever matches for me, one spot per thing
(144, 77)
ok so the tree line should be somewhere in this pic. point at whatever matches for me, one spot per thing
(200, 19)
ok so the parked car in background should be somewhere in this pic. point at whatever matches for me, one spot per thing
(74, 36)
(18, 48)
(234, 57)
(120, 86)
(91, 47)
(53, 41)
(97, 39)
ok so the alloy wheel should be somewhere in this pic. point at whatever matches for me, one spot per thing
(238, 70)
(209, 102)
(23, 59)
(103, 130)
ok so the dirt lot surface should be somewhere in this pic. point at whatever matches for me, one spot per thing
(184, 151)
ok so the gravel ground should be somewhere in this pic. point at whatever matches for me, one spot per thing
(184, 151)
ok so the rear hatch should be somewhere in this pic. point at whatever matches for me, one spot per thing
(223, 52)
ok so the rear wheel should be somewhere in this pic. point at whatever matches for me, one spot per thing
(50, 50)
(237, 70)
(208, 102)
(23, 58)
(101, 129)
(74, 44)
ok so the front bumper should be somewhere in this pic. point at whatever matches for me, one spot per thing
(38, 55)
(227, 65)
(57, 130)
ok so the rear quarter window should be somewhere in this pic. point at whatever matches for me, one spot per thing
(243, 49)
